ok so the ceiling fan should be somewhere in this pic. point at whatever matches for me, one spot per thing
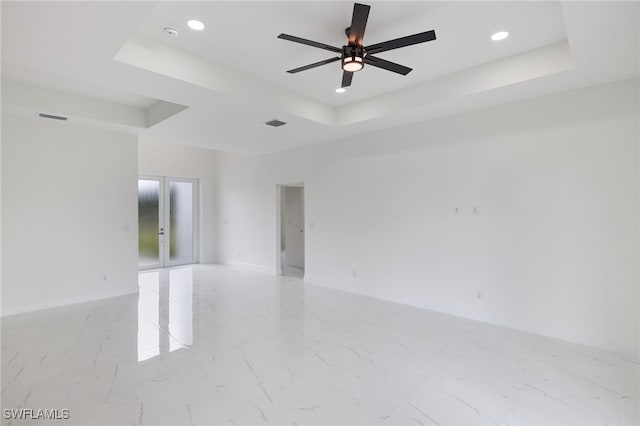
(355, 55)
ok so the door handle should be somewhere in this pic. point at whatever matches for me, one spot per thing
(161, 231)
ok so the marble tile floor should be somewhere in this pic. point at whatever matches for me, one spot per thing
(213, 344)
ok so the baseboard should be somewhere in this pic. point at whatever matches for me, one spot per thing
(65, 302)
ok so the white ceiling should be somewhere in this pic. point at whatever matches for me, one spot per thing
(463, 30)
(63, 83)
(231, 76)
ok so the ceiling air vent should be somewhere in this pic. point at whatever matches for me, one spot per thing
(53, 117)
(275, 123)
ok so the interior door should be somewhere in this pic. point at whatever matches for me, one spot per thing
(294, 226)
(167, 221)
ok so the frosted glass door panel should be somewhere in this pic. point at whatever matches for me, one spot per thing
(148, 223)
(181, 222)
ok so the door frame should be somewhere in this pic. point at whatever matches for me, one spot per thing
(279, 217)
(164, 206)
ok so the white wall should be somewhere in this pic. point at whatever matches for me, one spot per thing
(292, 215)
(69, 213)
(164, 159)
(553, 251)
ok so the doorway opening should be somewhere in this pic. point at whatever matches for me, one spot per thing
(167, 221)
(291, 230)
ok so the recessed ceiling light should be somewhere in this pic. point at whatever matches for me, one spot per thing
(500, 35)
(341, 90)
(194, 24)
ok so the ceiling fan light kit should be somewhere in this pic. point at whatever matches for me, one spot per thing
(352, 58)
(354, 55)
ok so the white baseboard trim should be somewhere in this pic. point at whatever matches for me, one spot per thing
(259, 268)
(65, 302)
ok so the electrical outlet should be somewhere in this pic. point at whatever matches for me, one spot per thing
(479, 294)
(354, 273)
(312, 225)
(475, 210)
(239, 253)
(105, 277)
(457, 210)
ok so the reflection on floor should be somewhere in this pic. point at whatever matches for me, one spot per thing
(165, 313)
(211, 344)
(292, 271)
(288, 270)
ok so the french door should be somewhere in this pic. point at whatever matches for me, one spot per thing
(167, 221)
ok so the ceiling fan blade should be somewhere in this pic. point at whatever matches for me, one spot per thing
(314, 65)
(401, 42)
(346, 79)
(309, 43)
(386, 65)
(358, 23)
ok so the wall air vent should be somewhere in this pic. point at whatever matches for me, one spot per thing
(53, 117)
(275, 123)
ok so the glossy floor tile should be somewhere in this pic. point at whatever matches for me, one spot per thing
(213, 344)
